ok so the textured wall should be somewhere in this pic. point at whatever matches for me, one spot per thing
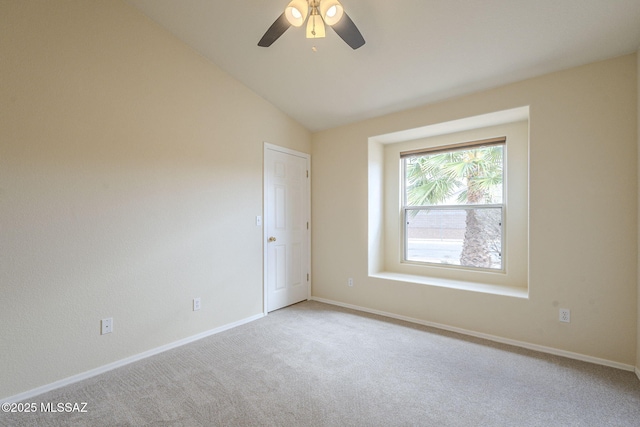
(583, 215)
(130, 178)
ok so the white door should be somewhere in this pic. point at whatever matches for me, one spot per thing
(287, 248)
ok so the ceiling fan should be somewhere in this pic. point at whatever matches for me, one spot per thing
(320, 12)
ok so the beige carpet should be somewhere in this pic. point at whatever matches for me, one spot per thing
(317, 365)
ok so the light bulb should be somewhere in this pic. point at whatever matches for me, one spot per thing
(331, 11)
(296, 12)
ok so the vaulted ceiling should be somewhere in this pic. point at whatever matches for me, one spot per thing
(416, 51)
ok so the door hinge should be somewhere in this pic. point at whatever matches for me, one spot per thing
(307, 174)
(307, 225)
(307, 277)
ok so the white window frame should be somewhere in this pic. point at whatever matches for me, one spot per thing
(501, 141)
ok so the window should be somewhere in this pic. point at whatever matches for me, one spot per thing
(453, 205)
(389, 256)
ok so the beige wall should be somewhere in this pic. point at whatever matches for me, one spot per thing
(130, 179)
(583, 222)
(638, 306)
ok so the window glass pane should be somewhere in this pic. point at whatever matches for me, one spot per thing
(457, 177)
(469, 237)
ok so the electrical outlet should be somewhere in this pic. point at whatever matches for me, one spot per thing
(107, 325)
(565, 315)
(196, 304)
(350, 281)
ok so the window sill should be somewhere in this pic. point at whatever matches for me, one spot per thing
(508, 291)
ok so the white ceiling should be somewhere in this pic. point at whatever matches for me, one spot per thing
(416, 51)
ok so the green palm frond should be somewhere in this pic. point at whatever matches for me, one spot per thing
(430, 192)
(472, 174)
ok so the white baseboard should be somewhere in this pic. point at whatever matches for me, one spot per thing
(522, 344)
(102, 369)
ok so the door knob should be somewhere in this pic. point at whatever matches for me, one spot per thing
(272, 239)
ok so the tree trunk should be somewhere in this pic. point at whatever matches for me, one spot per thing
(475, 248)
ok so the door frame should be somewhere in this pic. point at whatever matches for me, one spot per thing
(307, 157)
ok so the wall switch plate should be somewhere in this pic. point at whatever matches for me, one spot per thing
(258, 220)
(350, 282)
(107, 325)
(196, 304)
(565, 315)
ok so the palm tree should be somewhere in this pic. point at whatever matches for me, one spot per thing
(463, 177)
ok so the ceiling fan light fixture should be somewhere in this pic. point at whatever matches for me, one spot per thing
(320, 12)
(315, 27)
(331, 11)
(296, 12)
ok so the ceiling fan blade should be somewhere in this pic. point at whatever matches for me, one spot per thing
(275, 31)
(348, 31)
